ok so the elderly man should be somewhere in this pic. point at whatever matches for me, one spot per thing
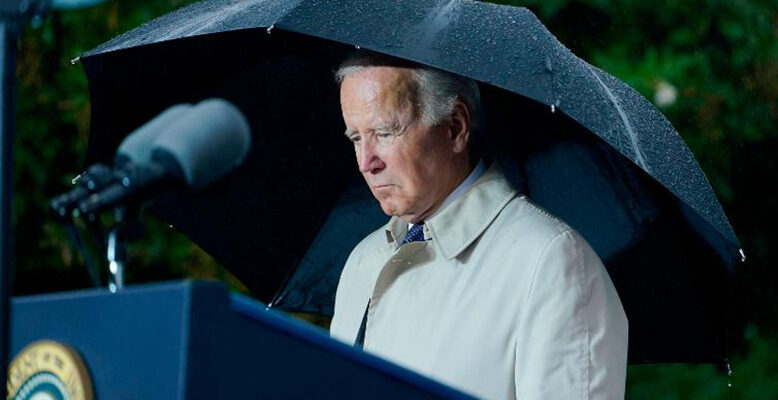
(469, 282)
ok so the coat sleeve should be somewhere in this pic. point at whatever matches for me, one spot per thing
(571, 341)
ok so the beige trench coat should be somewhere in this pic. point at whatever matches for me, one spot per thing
(501, 300)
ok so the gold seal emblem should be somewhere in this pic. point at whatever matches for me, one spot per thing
(47, 370)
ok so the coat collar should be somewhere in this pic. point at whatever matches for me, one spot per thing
(460, 223)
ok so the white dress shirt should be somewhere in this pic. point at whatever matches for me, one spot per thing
(501, 300)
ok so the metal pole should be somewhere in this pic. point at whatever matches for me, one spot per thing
(115, 260)
(8, 35)
(13, 14)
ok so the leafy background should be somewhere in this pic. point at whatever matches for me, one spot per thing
(710, 65)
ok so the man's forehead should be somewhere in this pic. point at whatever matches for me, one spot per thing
(390, 88)
(380, 77)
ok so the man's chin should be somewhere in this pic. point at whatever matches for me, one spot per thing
(412, 218)
(388, 210)
(391, 209)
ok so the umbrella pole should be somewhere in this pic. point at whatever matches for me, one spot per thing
(8, 36)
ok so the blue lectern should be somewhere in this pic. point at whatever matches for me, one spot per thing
(195, 340)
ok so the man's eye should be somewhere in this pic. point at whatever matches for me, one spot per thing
(384, 134)
(354, 139)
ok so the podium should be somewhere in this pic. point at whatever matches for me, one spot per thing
(195, 340)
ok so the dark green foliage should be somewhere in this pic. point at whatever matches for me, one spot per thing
(721, 57)
(53, 124)
(711, 66)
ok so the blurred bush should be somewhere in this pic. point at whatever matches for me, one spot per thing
(710, 65)
(53, 124)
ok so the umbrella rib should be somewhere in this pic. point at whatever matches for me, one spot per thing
(632, 136)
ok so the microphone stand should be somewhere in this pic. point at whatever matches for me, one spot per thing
(127, 227)
(116, 249)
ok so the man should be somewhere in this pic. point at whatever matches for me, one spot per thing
(469, 282)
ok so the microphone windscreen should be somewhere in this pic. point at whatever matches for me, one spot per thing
(136, 147)
(212, 140)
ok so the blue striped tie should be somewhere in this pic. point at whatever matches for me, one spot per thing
(415, 234)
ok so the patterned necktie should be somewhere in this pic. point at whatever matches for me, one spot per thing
(415, 234)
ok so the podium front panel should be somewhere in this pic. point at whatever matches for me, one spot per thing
(194, 340)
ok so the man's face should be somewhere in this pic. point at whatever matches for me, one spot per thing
(410, 167)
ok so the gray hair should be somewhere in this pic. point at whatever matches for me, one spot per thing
(438, 89)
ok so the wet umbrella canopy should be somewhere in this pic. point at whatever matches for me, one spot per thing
(578, 141)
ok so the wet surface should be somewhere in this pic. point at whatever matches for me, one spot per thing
(504, 46)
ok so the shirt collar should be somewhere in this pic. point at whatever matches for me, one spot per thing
(476, 173)
(479, 170)
(462, 221)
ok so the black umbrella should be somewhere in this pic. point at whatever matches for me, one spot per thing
(578, 141)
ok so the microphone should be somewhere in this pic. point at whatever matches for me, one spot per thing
(211, 139)
(94, 178)
(214, 139)
(134, 148)
(137, 146)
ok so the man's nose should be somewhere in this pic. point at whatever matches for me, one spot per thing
(368, 159)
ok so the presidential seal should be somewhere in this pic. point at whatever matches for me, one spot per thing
(47, 370)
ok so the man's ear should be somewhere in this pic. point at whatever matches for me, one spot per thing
(459, 128)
